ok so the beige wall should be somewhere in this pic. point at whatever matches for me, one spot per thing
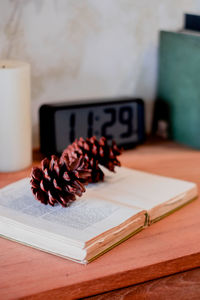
(92, 48)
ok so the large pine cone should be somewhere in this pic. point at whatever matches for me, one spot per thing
(59, 182)
(95, 152)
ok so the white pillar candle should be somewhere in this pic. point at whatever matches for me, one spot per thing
(15, 116)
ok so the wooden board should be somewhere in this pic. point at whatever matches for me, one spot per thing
(184, 286)
(167, 247)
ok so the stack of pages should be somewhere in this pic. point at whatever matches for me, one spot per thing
(107, 214)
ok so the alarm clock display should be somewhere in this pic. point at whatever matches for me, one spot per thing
(121, 120)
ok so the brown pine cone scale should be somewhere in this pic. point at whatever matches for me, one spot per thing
(59, 182)
(95, 153)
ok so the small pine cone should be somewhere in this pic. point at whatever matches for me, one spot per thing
(91, 164)
(107, 155)
(95, 152)
(59, 182)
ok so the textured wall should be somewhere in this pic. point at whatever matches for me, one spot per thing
(92, 48)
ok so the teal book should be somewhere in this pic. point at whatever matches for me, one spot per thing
(179, 84)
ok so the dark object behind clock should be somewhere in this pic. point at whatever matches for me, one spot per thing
(120, 119)
(192, 22)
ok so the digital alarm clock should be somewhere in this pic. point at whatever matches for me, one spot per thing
(121, 120)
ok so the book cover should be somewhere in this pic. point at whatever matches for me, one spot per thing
(179, 84)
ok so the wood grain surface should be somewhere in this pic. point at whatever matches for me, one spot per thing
(172, 245)
(184, 286)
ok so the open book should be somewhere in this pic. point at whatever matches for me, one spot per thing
(108, 213)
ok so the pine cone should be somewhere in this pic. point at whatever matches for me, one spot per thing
(59, 182)
(96, 173)
(95, 152)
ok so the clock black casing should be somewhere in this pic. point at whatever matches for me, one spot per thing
(60, 121)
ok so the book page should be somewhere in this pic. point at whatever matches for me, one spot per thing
(141, 189)
(84, 219)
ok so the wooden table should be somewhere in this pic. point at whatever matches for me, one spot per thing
(170, 246)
